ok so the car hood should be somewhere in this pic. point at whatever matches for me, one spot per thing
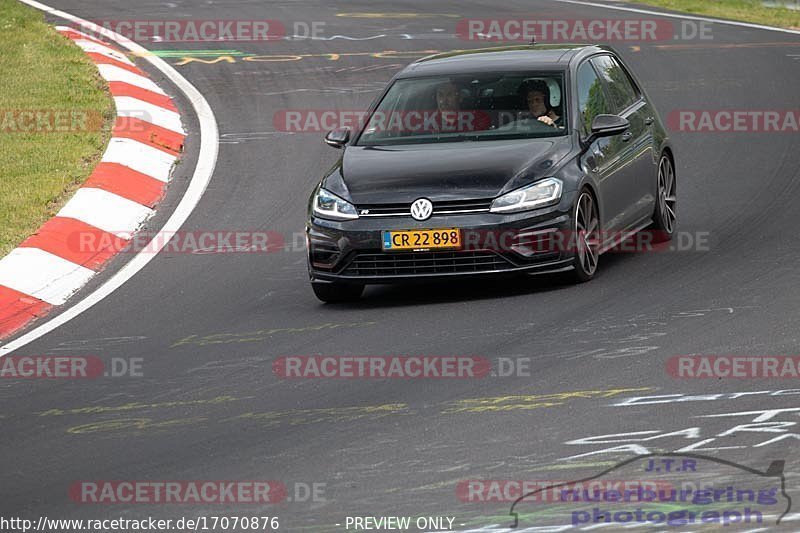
(441, 172)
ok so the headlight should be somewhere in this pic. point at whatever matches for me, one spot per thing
(328, 205)
(540, 194)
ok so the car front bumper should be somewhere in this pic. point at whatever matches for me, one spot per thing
(493, 244)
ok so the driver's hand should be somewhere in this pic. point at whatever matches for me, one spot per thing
(547, 120)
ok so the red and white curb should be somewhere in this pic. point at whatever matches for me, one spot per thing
(147, 137)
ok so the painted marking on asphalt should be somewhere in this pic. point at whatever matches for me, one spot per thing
(364, 88)
(282, 58)
(291, 417)
(283, 417)
(262, 334)
(334, 37)
(324, 414)
(528, 402)
(702, 46)
(138, 406)
(139, 424)
(96, 343)
(181, 53)
(236, 138)
(387, 15)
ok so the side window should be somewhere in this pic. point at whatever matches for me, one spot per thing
(591, 98)
(620, 88)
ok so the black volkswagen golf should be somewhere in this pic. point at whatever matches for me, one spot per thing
(525, 159)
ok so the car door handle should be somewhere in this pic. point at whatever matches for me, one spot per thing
(648, 121)
(627, 136)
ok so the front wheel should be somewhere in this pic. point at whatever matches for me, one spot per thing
(337, 292)
(587, 237)
(664, 217)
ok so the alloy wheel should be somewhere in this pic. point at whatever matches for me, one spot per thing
(587, 225)
(666, 194)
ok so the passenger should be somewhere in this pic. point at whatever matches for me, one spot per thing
(448, 105)
(448, 97)
(452, 118)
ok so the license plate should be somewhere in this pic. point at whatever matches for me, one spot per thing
(424, 239)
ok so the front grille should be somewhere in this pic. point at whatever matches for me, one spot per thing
(462, 205)
(410, 263)
(449, 207)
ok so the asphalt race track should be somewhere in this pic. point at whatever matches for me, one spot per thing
(207, 327)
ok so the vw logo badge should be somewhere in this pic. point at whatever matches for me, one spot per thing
(421, 209)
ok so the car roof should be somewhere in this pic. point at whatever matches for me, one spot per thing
(503, 59)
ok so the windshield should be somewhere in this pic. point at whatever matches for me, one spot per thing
(477, 107)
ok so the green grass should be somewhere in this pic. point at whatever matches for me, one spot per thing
(745, 10)
(41, 70)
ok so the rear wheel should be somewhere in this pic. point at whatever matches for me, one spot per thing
(587, 237)
(337, 292)
(664, 217)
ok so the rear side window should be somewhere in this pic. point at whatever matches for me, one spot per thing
(620, 88)
(591, 98)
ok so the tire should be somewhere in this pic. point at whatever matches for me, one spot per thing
(587, 237)
(337, 292)
(664, 214)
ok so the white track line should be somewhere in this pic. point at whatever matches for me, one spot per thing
(209, 144)
(680, 16)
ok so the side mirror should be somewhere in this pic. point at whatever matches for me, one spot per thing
(606, 126)
(338, 138)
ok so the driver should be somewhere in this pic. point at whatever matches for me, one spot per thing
(536, 94)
